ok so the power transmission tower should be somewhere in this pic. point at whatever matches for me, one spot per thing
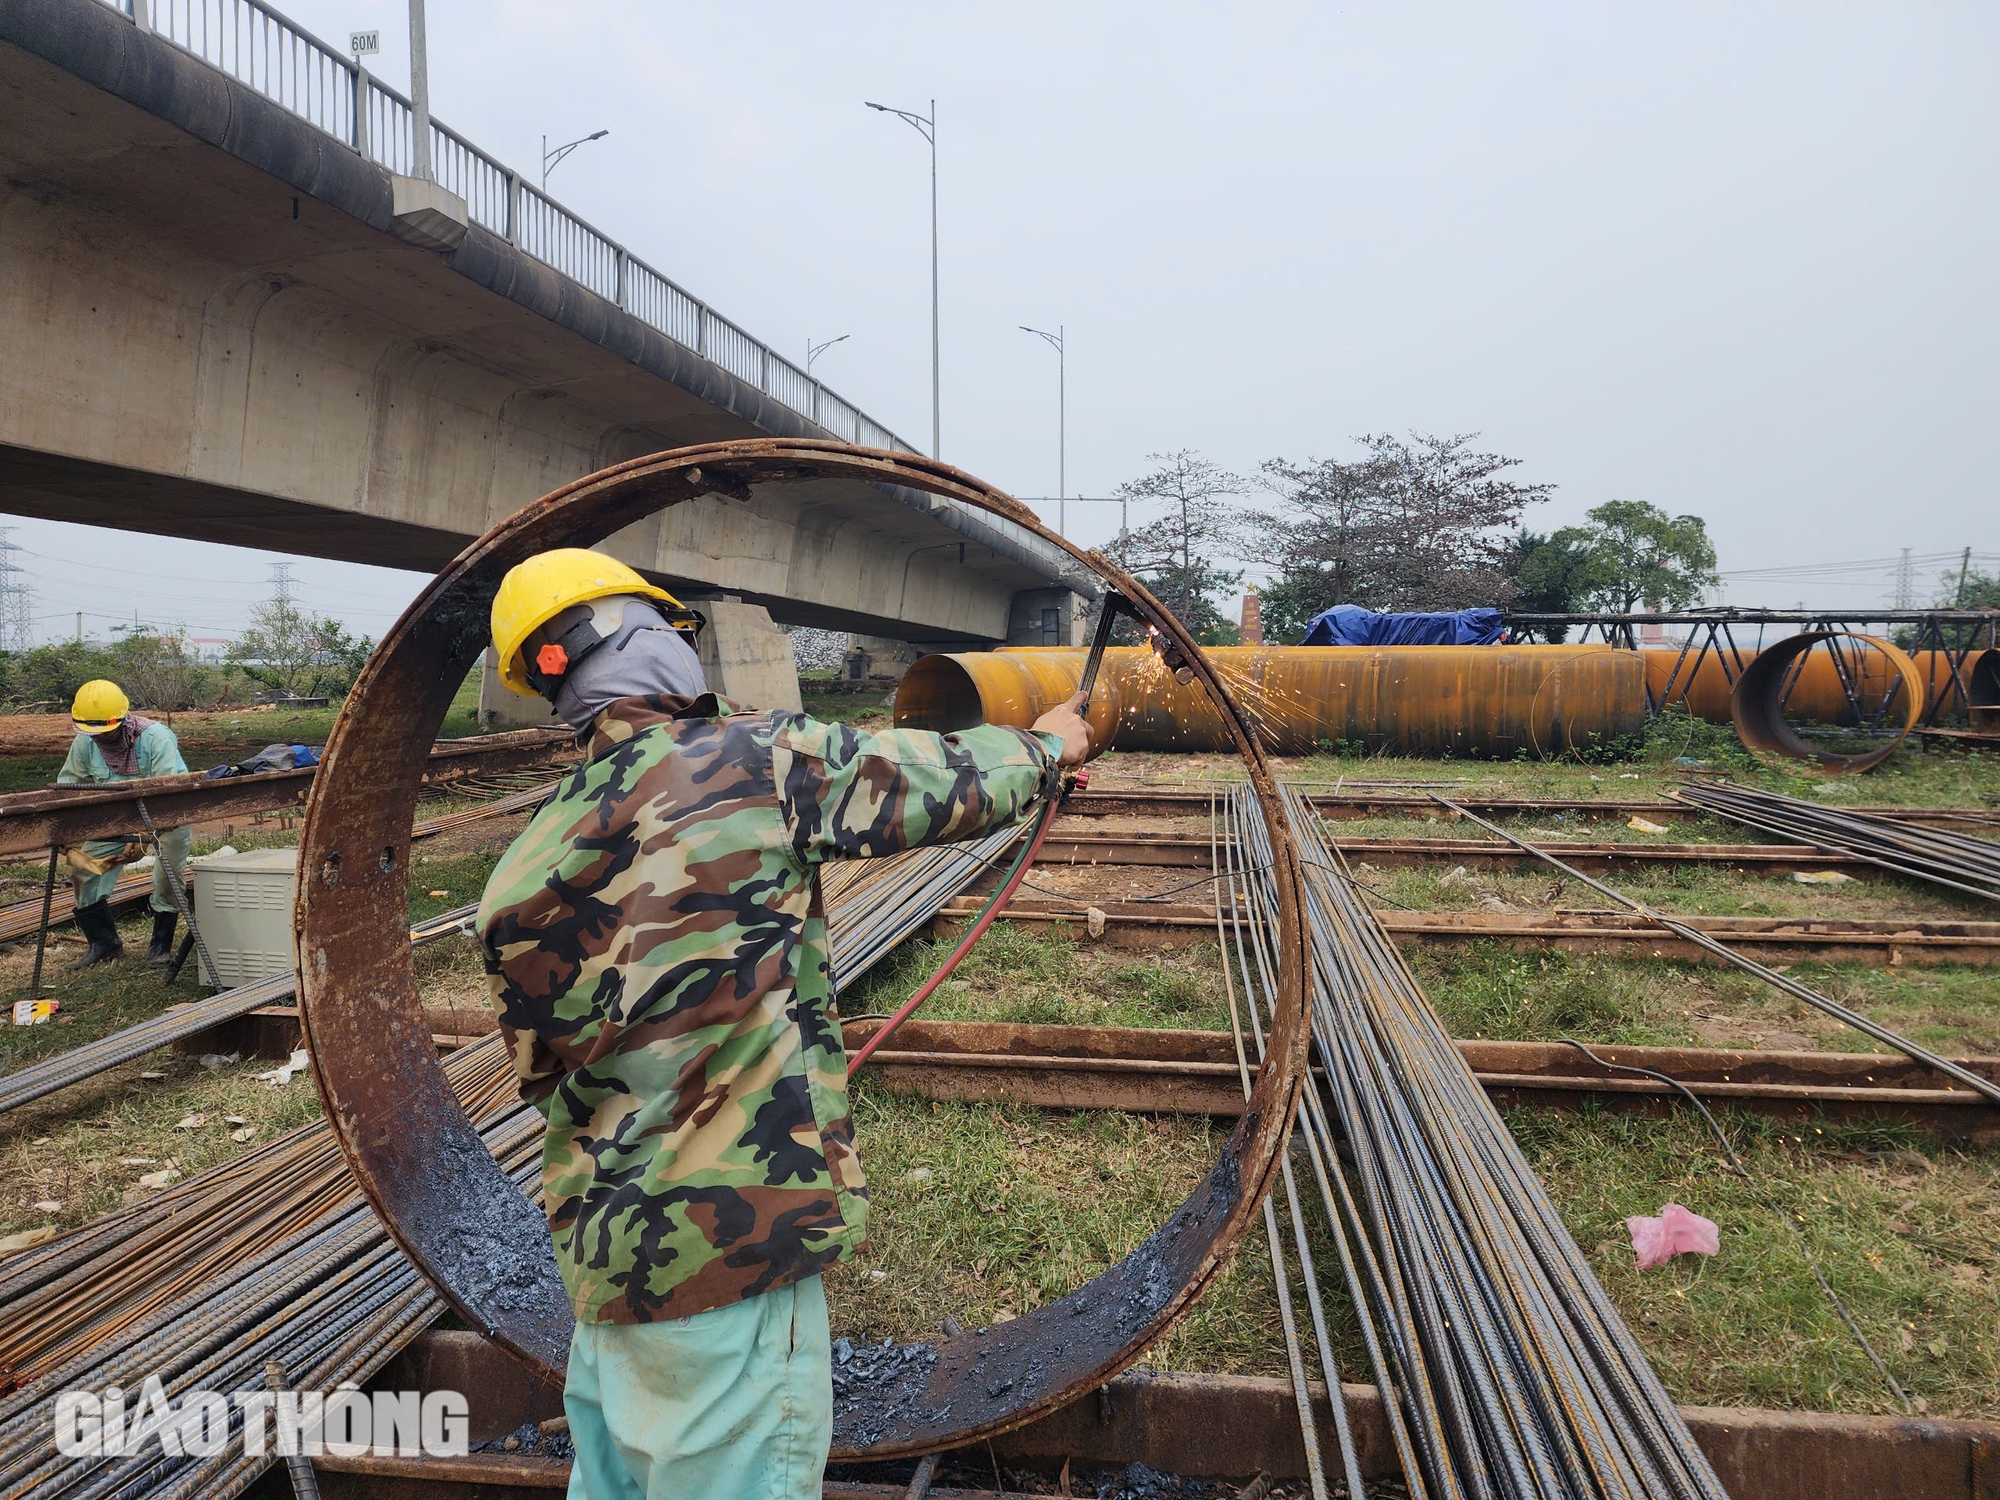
(281, 583)
(1906, 582)
(17, 600)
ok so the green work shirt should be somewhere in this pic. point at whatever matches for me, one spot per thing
(159, 755)
(656, 948)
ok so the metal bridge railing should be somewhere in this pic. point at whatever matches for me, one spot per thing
(332, 92)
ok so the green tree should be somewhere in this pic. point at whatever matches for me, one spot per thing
(155, 668)
(1964, 587)
(297, 652)
(1179, 556)
(1645, 556)
(1554, 575)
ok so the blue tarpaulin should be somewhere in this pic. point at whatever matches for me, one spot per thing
(1351, 625)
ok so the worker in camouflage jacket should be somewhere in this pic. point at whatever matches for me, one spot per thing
(657, 953)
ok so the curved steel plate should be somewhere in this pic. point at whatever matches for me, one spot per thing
(482, 1243)
(1758, 703)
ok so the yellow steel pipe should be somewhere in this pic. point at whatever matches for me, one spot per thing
(1493, 701)
(1817, 693)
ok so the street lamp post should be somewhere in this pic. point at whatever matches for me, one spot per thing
(553, 159)
(814, 351)
(420, 94)
(1055, 341)
(926, 126)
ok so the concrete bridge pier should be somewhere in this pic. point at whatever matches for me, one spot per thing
(745, 657)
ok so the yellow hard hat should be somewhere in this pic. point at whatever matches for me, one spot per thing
(536, 591)
(100, 707)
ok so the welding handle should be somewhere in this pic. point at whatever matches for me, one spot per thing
(1106, 619)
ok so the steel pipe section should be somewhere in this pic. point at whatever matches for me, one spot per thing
(1409, 700)
(479, 1239)
(1759, 702)
(1982, 691)
(1817, 690)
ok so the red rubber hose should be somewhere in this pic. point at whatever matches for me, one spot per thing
(1000, 899)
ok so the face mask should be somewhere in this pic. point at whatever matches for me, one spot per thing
(642, 655)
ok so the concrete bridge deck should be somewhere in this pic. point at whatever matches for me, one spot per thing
(216, 326)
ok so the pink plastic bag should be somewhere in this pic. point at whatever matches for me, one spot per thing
(1674, 1232)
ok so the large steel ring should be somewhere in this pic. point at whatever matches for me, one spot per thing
(481, 1242)
(1757, 705)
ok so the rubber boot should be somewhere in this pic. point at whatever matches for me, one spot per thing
(94, 922)
(160, 951)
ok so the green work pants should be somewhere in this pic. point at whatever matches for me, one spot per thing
(735, 1403)
(174, 843)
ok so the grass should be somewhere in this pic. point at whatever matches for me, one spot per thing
(1904, 1231)
(1490, 992)
(983, 1212)
(1679, 890)
(866, 710)
(1054, 977)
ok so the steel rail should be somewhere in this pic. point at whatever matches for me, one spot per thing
(1107, 798)
(1772, 977)
(412, 1149)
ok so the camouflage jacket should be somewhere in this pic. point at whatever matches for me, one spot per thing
(656, 948)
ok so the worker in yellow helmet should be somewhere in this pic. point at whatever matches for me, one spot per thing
(656, 945)
(114, 744)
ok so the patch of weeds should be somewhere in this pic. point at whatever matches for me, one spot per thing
(984, 1212)
(1488, 992)
(1903, 1229)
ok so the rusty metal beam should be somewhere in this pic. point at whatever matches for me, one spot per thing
(1174, 848)
(1884, 944)
(1119, 801)
(1212, 1427)
(1154, 1071)
(68, 815)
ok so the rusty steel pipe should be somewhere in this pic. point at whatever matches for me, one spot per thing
(1411, 700)
(1759, 703)
(1816, 691)
(430, 1178)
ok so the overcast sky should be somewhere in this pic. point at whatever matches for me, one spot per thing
(1733, 259)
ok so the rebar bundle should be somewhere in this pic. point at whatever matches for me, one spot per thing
(1503, 1366)
(1959, 860)
(19, 919)
(333, 1301)
(874, 904)
(274, 1256)
(107, 1052)
(75, 1292)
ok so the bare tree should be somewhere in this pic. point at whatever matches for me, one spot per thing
(1423, 524)
(1178, 556)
